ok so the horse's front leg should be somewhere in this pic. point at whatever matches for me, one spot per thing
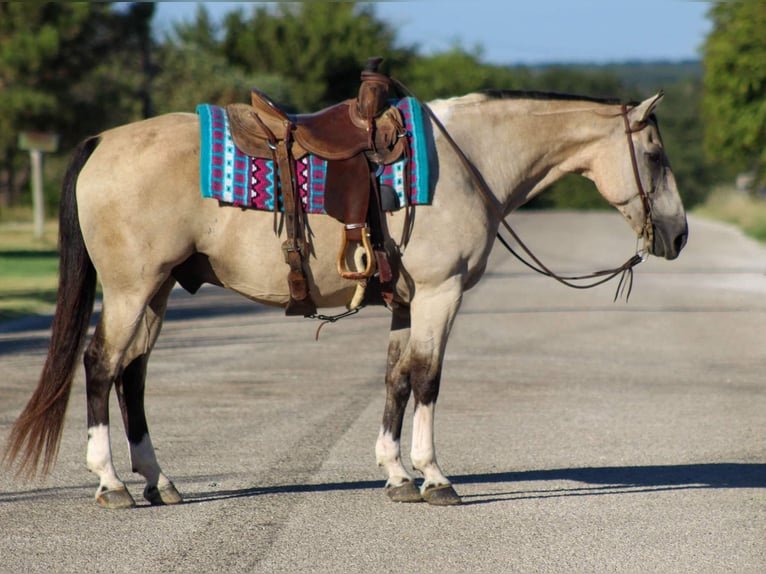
(432, 316)
(400, 487)
(417, 368)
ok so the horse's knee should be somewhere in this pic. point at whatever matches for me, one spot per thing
(397, 395)
(425, 378)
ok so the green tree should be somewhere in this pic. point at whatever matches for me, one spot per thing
(318, 47)
(192, 69)
(734, 100)
(682, 134)
(57, 74)
(582, 81)
(457, 72)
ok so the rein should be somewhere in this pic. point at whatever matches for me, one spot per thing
(625, 285)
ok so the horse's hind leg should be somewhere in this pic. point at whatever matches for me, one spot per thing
(116, 331)
(130, 393)
(113, 335)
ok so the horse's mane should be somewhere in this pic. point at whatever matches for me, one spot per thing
(497, 94)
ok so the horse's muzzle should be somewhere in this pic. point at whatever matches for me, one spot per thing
(670, 237)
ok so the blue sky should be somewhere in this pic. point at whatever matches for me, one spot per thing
(531, 31)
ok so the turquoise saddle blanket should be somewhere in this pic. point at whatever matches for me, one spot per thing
(234, 178)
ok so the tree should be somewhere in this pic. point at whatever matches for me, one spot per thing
(457, 72)
(734, 97)
(682, 134)
(319, 47)
(192, 69)
(56, 73)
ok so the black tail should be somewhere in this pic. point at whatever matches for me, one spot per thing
(37, 432)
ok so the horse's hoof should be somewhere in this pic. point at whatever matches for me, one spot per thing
(405, 492)
(441, 495)
(160, 496)
(115, 499)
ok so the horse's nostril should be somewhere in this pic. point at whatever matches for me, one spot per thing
(679, 242)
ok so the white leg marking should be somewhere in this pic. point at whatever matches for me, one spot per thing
(423, 453)
(388, 455)
(144, 462)
(99, 458)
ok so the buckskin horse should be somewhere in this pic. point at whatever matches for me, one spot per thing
(132, 214)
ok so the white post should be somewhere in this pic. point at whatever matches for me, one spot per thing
(38, 201)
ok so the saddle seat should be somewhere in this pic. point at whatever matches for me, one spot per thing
(335, 133)
(353, 136)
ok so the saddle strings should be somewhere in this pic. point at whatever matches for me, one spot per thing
(326, 319)
(625, 271)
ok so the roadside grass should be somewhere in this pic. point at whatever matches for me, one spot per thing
(746, 211)
(28, 268)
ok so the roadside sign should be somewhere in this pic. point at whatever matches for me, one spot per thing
(44, 141)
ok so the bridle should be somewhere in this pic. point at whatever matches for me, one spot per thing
(625, 271)
(648, 229)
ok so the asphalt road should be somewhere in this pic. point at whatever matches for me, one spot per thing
(584, 435)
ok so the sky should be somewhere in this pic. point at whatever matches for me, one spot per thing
(529, 32)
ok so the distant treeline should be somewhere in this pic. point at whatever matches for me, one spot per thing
(79, 68)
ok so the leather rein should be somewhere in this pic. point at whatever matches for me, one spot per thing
(625, 270)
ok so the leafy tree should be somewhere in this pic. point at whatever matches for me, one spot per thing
(457, 72)
(682, 134)
(588, 82)
(55, 73)
(734, 100)
(192, 69)
(318, 47)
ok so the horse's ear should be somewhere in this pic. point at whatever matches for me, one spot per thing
(639, 114)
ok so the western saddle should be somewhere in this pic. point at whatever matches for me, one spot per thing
(355, 136)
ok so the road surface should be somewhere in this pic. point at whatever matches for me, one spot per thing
(584, 435)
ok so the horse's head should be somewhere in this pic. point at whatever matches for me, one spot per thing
(633, 173)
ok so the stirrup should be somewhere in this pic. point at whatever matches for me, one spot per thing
(343, 269)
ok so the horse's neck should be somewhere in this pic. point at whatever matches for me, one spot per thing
(521, 146)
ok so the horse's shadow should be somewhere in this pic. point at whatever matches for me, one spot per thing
(593, 481)
(505, 486)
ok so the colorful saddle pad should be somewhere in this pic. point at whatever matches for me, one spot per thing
(234, 178)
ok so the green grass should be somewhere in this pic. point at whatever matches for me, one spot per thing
(746, 211)
(28, 269)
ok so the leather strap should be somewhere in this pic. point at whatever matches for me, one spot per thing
(648, 228)
(294, 246)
